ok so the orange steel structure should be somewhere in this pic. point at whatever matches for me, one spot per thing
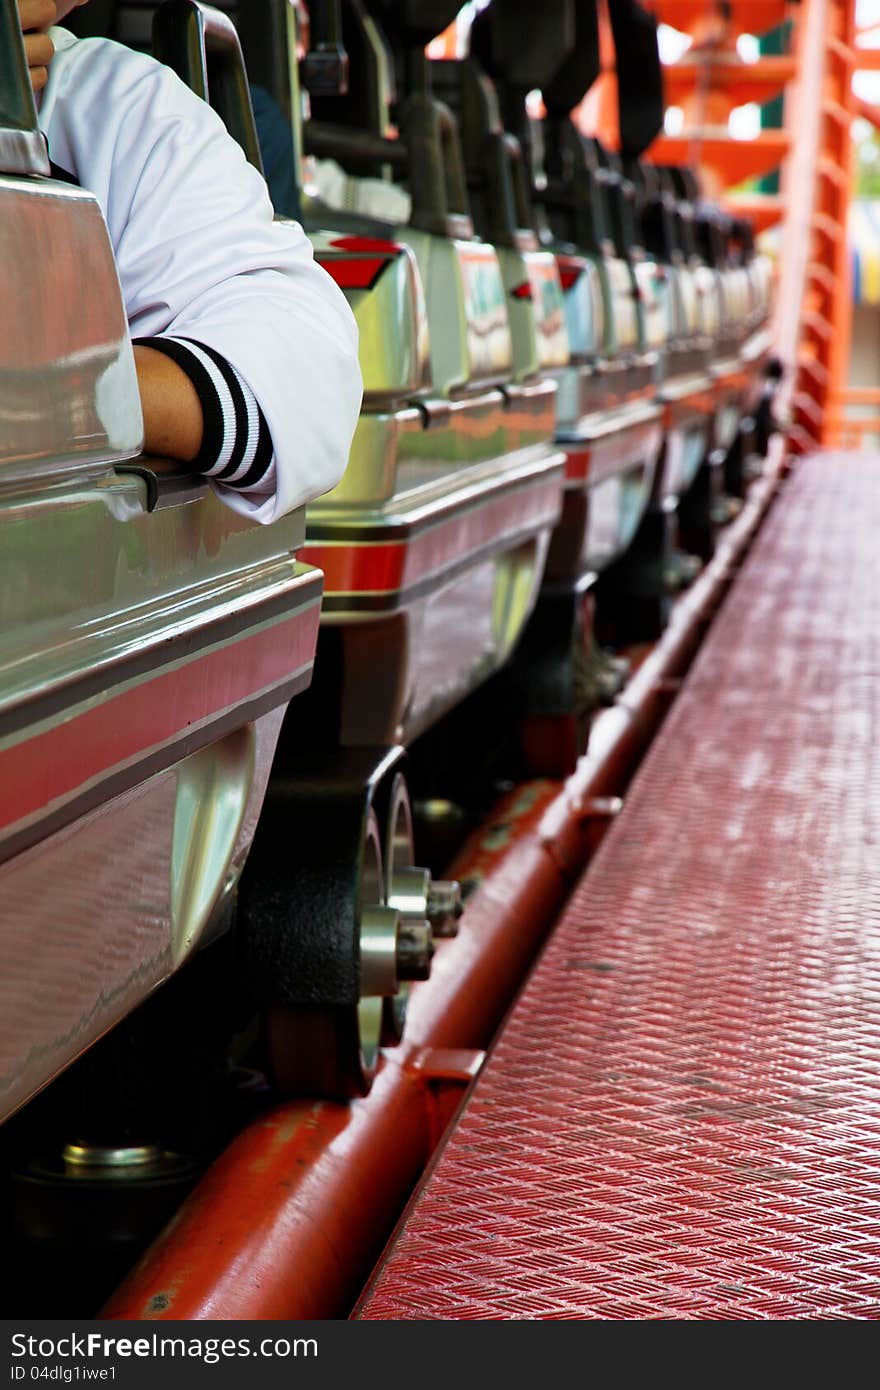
(813, 150)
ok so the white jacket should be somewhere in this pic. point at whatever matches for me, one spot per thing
(200, 255)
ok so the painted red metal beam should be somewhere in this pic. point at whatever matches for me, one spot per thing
(289, 1220)
(679, 1118)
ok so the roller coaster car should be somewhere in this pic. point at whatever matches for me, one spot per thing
(743, 290)
(150, 643)
(607, 418)
(726, 306)
(433, 546)
(607, 421)
(663, 221)
(757, 271)
(434, 543)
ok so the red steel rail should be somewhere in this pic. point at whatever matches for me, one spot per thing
(289, 1220)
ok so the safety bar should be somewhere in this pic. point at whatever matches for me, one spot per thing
(22, 146)
(201, 45)
(349, 146)
(324, 70)
(430, 157)
(639, 75)
(510, 212)
(573, 191)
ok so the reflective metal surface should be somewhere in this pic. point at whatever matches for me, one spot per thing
(440, 646)
(609, 425)
(146, 661)
(22, 147)
(396, 453)
(383, 287)
(68, 390)
(23, 152)
(690, 407)
(382, 559)
(432, 545)
(656, 303)
(455, 554)
(710, 298)
(610, 467)
(87, 923)
(467, 311)
(584, 306)
(536, 311)
(98, 599)
(622, 308)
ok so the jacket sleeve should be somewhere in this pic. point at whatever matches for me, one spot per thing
(201, 257)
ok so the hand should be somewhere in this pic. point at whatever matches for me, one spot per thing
(36, 17)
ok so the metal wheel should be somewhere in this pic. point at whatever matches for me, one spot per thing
(405, 889)
(428, 909)
(332, 1050)
(328, 931)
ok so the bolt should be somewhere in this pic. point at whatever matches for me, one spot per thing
(445, 906)
(415, 947)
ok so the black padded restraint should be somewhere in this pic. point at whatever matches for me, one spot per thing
(639, 76)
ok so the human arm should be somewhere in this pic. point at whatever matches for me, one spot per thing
(201, 260)
(173, 424)
(173, 416)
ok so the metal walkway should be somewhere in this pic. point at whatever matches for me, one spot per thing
(681, 1117)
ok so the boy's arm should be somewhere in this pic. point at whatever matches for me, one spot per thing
(173, 422)
(172, 411)
(206, 271)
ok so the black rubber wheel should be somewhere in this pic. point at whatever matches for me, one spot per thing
(326, 1050)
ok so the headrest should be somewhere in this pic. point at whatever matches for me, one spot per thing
(639, 76)
(413, 22)
(579, 69)
(97, 20)
(523, 44)
(681, 181)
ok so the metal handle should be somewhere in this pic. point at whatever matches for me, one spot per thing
(324, 70)
(201, 44)
(453, 162)
(436, 169)
(509, 205)
(22, 147)
(166, 487)
(349, 146)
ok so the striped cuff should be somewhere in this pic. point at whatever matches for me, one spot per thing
(236, 446)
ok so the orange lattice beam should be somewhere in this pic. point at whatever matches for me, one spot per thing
(723, 80)
(725, 161)
(702, 16)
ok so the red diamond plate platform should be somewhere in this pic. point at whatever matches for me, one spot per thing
(681, 1117)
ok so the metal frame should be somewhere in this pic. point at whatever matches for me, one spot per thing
(22, 147)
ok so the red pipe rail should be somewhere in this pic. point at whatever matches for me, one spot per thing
(288, 1222)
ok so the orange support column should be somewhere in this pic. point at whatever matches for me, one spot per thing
(813, 325)
(839, 109)
(814, 301)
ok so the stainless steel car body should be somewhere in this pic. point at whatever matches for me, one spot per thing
(150, 640)
(609, 421)
(684, 381)
(433, 545)
(723, 316)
